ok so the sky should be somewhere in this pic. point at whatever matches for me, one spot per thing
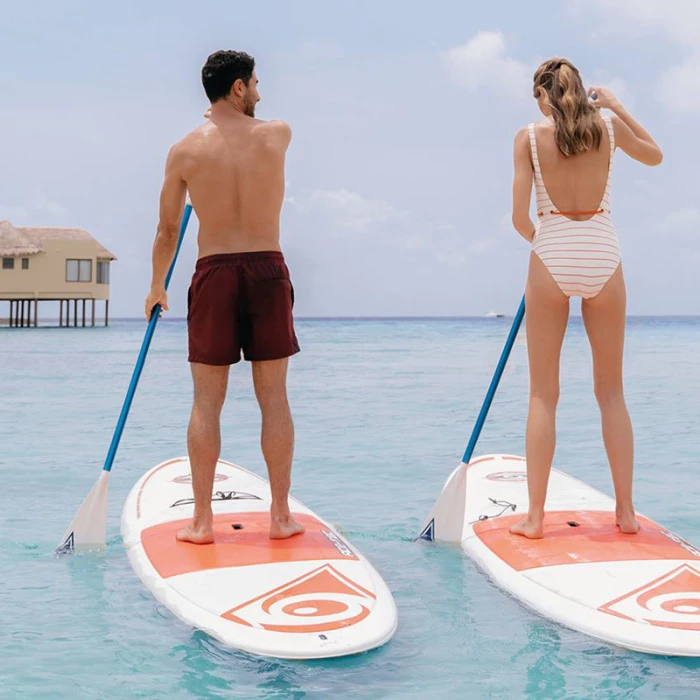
(403, 116)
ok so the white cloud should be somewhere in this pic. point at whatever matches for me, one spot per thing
(343, 212)
(483, 63)
(320, 50)
(348, 210)
(482, 246)
(679, 88)
(684, 217)
(677, 20)
(13, 214)
(41, 203)
(457, 253)
(28, 214)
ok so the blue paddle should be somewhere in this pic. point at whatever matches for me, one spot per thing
(510, 341)
(88, 529)
(444, 522)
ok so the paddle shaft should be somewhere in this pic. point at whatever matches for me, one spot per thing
(494, 383)
(144, 351)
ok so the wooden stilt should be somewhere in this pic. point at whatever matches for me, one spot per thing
(106, 312)
(36, 313)
(93, 313)
(12, 313)
(60, 313)
(75, 313)
(84, 313)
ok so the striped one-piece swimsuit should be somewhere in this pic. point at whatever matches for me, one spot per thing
(580, 255)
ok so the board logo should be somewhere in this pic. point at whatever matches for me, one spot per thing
(508, 476)
(679, 540)
(221, 496)
(320, 601)
(670, 601)
(338, 543)
(187, 478)
(428, 533)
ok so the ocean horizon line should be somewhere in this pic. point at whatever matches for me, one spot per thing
(370, 319)
(418, 318)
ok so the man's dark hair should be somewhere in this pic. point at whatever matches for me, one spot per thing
(223, 69)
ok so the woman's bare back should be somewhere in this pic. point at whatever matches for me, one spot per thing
(574, 183)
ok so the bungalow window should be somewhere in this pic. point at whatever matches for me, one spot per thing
(8, 263)
(102, 272)
(78, 270)
(25, 263)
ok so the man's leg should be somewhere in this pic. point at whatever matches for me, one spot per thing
(277, 439)
(204, 446)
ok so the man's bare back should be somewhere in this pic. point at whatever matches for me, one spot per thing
(234, 170)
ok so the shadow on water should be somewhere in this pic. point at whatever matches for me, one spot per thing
(212, 670)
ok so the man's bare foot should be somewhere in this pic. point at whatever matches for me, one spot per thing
(282, 527)
(197, 534)
(627, 522)
(529, 527)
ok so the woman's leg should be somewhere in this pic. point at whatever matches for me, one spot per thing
(546, 313)
(604, 318)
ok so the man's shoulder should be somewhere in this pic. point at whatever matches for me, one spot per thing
(274, 125)
(190, 143)
(275, 129)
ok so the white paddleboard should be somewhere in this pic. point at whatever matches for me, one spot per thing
(311, 596)
(641, 592)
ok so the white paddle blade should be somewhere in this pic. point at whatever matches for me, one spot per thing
(88, 529)
(445, 522)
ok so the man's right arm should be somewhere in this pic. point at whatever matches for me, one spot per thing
(172, 204)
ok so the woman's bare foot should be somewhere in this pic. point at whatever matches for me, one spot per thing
(198, 532)
(530, 527)
(626, 521)
(282, 527)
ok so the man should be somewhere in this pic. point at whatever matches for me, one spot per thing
(241, 296)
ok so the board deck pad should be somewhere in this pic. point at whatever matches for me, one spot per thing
(310, 596)
(641, 592)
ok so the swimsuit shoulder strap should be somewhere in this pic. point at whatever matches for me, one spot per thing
(533, 150)
(611, 136)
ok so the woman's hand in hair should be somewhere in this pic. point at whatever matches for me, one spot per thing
(604, 98)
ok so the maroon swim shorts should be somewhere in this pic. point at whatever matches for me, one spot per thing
(240, 301)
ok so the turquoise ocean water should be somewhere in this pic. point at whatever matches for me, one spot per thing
(383, 410)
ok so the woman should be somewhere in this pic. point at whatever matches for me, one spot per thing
(574, 253)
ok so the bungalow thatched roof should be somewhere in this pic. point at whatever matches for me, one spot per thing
(15, 243)
(65, 234)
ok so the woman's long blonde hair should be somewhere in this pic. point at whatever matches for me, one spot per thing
(577, 129)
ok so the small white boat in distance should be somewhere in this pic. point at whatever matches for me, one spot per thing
(493, 314)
